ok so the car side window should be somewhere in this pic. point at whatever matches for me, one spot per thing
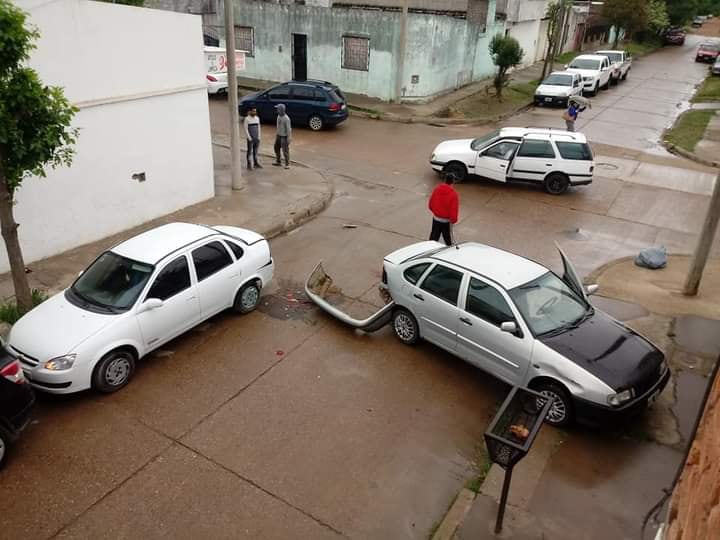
(444, 283)
(209, 259)
(281, 92)
(171, 280)
(415, 272)
(318, 95)
(237, 250)
(576, 151)
(503, 150)
(303, 93)
(486, 302)
(536, 149)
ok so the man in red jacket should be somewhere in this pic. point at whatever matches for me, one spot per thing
(444, 204)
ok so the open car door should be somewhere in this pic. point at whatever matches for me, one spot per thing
(570, 275)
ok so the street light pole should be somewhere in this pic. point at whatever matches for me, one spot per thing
(235, 159)
(707, 235)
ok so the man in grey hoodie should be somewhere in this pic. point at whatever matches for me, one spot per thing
(283, 136)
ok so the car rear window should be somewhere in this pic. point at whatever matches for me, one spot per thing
(573, 150)
(336, 96)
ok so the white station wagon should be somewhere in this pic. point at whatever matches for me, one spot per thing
(134, 298)
(553, 158)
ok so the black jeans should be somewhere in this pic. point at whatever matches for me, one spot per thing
(252, 149)
(438, 228)
(284, 144)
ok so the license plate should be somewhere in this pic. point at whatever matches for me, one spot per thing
(653, 398)
(548, 99)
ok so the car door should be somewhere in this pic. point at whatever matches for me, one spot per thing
(180, 309)
(533, 160)
(577, 85)
(435, 305)
(216, 277)
(301, 103)
(493, 162)
(275, 96)
(570, 275)
(481, 342)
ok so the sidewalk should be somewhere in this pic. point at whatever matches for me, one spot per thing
(595, 484)
(708, 148)
(273, 202)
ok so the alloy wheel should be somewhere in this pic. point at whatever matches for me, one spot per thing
(316, 123)
(118, 371)
(404, 327)
(558, 411)
(249, 297)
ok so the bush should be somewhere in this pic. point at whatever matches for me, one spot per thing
(11, 313)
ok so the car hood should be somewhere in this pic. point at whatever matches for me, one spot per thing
(585, 72)
(453, 146)
(610, 351)
(553, 90)
(54, 328)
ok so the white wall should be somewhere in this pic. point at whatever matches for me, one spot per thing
(527, 33)
(138, 77)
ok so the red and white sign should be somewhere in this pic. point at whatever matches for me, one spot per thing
(217, 60)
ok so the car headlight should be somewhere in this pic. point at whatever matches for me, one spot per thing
(587, 79)
(621, 397)
(60, 363)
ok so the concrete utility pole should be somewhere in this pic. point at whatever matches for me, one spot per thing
(235, 159)
(400, 65)
(707, 235)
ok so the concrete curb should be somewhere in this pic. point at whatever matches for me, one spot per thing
(455, 515)
(673, 149)
(298, 213)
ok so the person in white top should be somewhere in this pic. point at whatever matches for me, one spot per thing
(252, 133)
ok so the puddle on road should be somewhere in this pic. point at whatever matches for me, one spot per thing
(689, 390)
(698, 335)
(289, 302)
(619, 309)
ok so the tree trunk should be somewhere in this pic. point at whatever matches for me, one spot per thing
(12, 245)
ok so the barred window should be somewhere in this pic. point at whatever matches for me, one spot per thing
(245, 39)
(356, 53)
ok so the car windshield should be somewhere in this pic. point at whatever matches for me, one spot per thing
(549, 305)
(559, 80)
(482, 141)
(112, 282)
(580, 63)
(710, 46)
(613, 57)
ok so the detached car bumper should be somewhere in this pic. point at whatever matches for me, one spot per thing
(588, 412)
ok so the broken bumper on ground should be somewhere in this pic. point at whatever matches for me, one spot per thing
(317, 286)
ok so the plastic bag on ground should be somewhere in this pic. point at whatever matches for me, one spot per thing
(653, 258)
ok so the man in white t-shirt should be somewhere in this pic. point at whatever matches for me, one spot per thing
(252, 134)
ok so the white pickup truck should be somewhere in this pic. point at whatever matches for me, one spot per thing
(595, 72)
(620, 63)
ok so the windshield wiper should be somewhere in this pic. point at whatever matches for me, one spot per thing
(89, 301)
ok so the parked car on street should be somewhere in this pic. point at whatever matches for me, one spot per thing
(557, 88)
(595, 71)
(16, 401)
(553, 158)
(697, 22)
(707, 51)
(521, 323)
(311, 103)
(716, 66)
(620, 64)
(674, 36)
(136, 297)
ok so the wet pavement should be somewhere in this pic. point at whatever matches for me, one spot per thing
(284, 423)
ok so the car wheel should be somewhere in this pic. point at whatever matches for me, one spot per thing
(556, 183)
(456, 169)
(405, 326)
(596, 89)
(4, 446)
(247, 298)
(113, 371)
(561, 410)
(625, 76)
(315, 122)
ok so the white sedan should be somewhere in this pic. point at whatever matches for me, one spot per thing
(134, 298)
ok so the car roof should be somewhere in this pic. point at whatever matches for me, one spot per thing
(589, 57)
(543, 132)
(152, 246)
(608, 51)
(565, 72)
(505, 268)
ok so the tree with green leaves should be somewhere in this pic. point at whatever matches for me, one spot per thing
(657, 16)
(630, 15)
(35, 132)
(555, 14)
(506, 53)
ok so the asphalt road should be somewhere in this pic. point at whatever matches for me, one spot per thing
(286, 424)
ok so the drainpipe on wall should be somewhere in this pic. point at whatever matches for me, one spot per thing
(400, 65)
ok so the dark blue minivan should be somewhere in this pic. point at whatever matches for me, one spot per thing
(312, 103)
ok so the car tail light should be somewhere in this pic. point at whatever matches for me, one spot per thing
(335, 107)
(211, 78)
(13, 372)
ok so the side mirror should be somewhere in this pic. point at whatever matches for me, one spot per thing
(592, 289)
(150, 304)
(509, 327)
